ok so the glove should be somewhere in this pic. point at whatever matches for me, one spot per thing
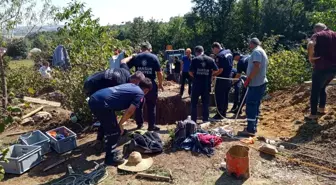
(247, 81)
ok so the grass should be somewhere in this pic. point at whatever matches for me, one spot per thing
(15, 64)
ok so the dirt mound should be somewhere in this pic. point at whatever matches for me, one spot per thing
(283, 114)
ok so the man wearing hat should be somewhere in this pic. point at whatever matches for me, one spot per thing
(149, 65)
(225, 63)
(323, 59)
(242, 62)
(103, 105)
(256, 82)
(201, 69)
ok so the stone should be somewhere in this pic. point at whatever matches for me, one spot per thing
(268, 149)
(27, 121)
(16, 119)
(42, 116)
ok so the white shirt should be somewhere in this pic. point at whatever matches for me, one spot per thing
(45, 72)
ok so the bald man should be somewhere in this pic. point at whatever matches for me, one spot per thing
(186, 62)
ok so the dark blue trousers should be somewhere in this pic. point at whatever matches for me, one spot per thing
(150, 100)
(253, 101)
(109, 125)
(202, 91)
(239, 92)
(222, 90)
(320, 80)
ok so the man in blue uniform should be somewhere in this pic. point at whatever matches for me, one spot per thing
(149, 65)
(103, 105)
(186, 61)
(242, 62)
(222, 89)
(110, 78)
(201, 69)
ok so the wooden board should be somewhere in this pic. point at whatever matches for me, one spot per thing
(40, 101)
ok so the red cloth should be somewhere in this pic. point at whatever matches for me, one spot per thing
(209, 139)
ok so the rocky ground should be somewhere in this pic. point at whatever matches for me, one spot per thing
(308, 157)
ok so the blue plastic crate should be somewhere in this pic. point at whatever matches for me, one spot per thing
(65, 144)
(21, 158)
(36, 138)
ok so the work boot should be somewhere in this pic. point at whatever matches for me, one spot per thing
(155, 128)
(234, 108)
(98, 145)
(114, 159)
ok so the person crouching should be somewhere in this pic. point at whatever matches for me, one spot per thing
(103, 105)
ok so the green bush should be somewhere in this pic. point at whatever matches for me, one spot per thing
(287, 68)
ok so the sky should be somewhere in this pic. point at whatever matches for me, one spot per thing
(118, 11)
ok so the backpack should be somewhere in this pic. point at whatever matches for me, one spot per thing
(147, 143)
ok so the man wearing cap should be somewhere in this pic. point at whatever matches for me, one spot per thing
(186, 61)
(256, 82)
(225, 62)
(149, 65)
(242, 62)
(323, 60)
(103, 105)
(201, 69)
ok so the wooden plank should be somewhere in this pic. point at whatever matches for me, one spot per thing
(153, 177)
(17, 133)
(32, 112)
(40, 101)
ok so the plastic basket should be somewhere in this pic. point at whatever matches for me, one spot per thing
(36, 138)
(62, 145)
(21, 158)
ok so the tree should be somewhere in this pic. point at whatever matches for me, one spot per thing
(17, 48)
(325, 12)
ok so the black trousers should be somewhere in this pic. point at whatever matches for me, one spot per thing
(185, 76)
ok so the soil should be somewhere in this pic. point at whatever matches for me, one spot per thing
(281, 119)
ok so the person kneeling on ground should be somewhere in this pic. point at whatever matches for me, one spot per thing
(103, 105)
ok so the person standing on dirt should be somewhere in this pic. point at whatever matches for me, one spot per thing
(201, 69)
(256, 83)
(149, 64)
(240, 90)
(186, 62)
(324, 68)
(225, 63)
(177, 69)
(103, 105)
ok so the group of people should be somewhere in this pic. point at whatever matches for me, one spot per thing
(220, 67)
(116, 89)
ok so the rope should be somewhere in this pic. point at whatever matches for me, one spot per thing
(241, 104)
(98, 175)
